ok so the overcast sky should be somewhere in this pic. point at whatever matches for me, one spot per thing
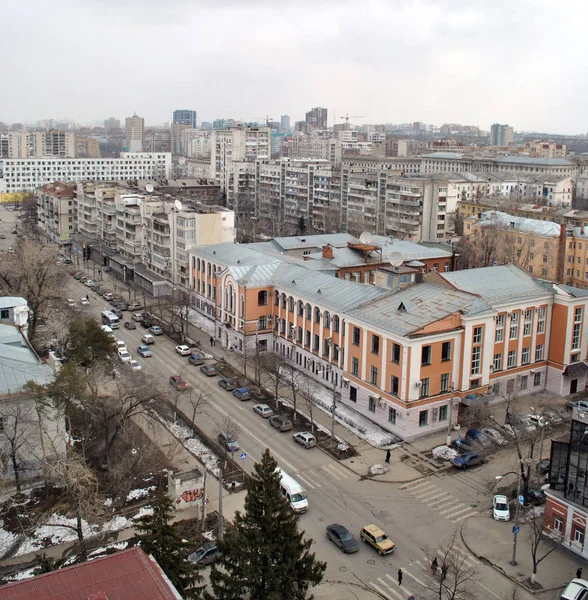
(521, 62)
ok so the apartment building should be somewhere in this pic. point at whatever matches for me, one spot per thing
(87, 147)
(196, 143)
(55, 211)
(501, 135)
(134, 133)
(404, 359)
(541, 149)
(28, 144)
(188, 117)
(157, 139)
(312, 146)
(17, 175)
(316, 118)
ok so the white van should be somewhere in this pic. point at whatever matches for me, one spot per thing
(109, 331)
(577, 589)
(293, 492)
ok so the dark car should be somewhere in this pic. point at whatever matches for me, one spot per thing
(122, 305)
(342, 537)
(130, 325)
(242, 393)
(228, 384)
(536, 497)
(146, 323)
(115, 300)
(281, 422)
(469, 459)
(464, 444)
(117, 312)
(478, 436)
(544, 465)
(196, 359)
(205, 555)
(209, 370)
(179, 383)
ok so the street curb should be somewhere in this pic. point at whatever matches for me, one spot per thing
(364, 587)
(500, 570)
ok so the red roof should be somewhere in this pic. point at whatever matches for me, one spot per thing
(126, 575)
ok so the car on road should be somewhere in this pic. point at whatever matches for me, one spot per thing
(500, 509)
(84, 302)
(124, 356)
(11, 250)
(13, 231)
(135, 306)
(183, 350)
(205, 555)
(342, 538)
(130, 325)
(242, 393)
(122, 305)
(120, 345)
(146, 323)
(264, 410)
(71, 303)
(577, 589)
(2, 237)
(494, 435)
(374, 536)
(469, 459)
(305, 438)
(135, 365)
(148, 339)
(88, 283)
(228, 384)
(228, 442)
(137, 317)
(479, 437)
(117, 312)
(144, 351)
(155, 330)
(208, 370)
(536, 497)
(179, 383)
(108, 296)
(196, 359)
(281, 422)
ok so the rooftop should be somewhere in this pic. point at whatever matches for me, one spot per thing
(523, 224)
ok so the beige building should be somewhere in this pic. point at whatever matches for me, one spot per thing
(87, 148)
(134, 133)
(542, 149)
(55, 211)
(35, 144)
(314, 147)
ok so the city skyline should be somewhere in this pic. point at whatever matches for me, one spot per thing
(433, 61)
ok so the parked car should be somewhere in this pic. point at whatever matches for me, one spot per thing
(208, 370)
(196, 359)
(79, 275)
(148, 339)
(469, 459)
(536, 497)
(144, 351)
(120, 345)
(242, 393)
(135, 365)
(228, 442)
(130, 325)
(11, 250)
(228, 384)
(464, 444)
(84, 301)
(183, 350)
(500, 509)
(122, 305)
(95, 287)
(88, 283)
(71, 303)
(146, 323)
(342, 538)
(577, 589)
(305, 438)
(155, 330)
(581, 404)
(179, 383)
(264, 410)
(117, 312)
(108, 296)
(544, 465)
(115, 300)
(538, 420)
(205, 555)
(137, 317)
(135, 306)
(377, 538)
(494, 435)
(124, 356)
(281, 422)
(478, 436)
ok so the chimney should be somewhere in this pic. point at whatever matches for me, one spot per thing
(328, 251)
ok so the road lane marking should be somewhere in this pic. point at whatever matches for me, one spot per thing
(335, 474)
(443, 498)
(381, 591)
(406, 572)
(463, 510)
(428, 495)
(390, 589)
(415, 484)
(471, 514)
(310, 485)
(447, 510)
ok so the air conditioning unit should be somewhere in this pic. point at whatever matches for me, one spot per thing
(417, 384)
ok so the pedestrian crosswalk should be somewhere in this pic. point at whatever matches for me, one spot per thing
(322, 475)
(431, 495)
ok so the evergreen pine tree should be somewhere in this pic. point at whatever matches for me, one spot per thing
(162, 541)
(264, 556)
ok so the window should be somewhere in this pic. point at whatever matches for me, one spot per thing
(558, 524)
(528, 322)
(262, 298)
(477, 335)
(526, 356)
(375, 344)
(579, 535)
(335, 352)
(327, 320)
(514, 325)
(291, 304)
(307, 339)
(262, 323)
(512, 359)
(283, 303)
(541, 320)
(299, 335)
(4, 313)
(316, 343)
(423, 418)
(474, 383)
(372, 404)
(392, 415)
(353, 394)
(424, 387)
(443, 413)
(498, 362)
(537, 379)
(300, 308)
(524, 382)
(444, 382)
(539, 352)
(396, 353)
(576, 336)
(476, 358)
(308, 312)
(336, 324)
(446, 351)
(326, 347)
(276, 298)
(317, 314)
(499, 337)
(394, 382)
(354, 366)
(426, 355)
(356, 336)
(578, 315)
(374, 375)
(510, 385)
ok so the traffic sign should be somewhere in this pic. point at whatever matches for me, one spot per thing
(516, 529)
(243, 455)
(521, 499)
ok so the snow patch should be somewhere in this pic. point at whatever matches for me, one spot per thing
(22, 575)
(142, 512)
(378, 469)
(139, 493)
(209, 535)
(444, 453)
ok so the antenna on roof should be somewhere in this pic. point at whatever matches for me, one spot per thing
(366, 237)
(395, 259)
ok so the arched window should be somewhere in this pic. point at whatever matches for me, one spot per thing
(242, 306)
(317, 314)
(198, 264)
(300, 308)
(327, 316)
(283, 301)
(262, 298)
(308, 312)
(290, 304)
(231, 306)
(276, 298)
(208, 269)
(336, 324)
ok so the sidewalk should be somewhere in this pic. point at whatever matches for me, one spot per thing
(491, 542)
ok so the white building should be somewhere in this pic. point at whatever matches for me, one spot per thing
(17, 175)
(134, 133)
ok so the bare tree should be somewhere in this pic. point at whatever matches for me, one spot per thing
(294, 382)
(198, 400)
(272, 365)
(17, 422)
(230, 429)
(535, 538)
(513, 594)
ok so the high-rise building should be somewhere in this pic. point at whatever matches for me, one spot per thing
(285, 123)
(187, 117)
(111, 124)
(206, 125)
(501, 135)
(317, 118)
(134, 132)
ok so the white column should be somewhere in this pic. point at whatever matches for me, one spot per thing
(363, 353)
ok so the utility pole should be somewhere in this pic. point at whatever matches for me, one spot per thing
(203, 501)
(220, 506)
(515, 529)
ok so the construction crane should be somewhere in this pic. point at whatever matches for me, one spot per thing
(348, 116)
(267, 119)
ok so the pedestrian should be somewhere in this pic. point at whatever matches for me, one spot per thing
(443, 572)
(87, 297)
(211, 341)
(579, 573)
(399, 576)
(388, 456)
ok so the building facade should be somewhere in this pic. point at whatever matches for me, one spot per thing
(187, 117)
(55, 211)
(501, 135)
(317, 118)
(134, 133)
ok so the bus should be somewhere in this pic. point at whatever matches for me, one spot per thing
(110, 319)
(293, 492)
